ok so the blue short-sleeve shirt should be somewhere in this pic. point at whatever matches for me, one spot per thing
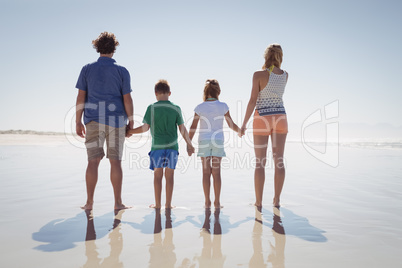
(105, 83)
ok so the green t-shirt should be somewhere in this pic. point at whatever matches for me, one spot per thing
(163, 118)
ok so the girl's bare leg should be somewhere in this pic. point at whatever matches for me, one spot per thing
(216, 174)
(260, 149)
(278, 149)
(206, 179)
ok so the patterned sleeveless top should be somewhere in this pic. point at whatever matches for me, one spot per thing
(269, 100)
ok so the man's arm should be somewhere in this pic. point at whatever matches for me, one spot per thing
(129, 108)
(184, 133)
(79, 109)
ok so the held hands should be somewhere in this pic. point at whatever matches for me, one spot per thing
(129, 126)
(242, 131)
(80, 129)
(190, 149)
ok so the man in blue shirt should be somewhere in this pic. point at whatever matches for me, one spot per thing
(105, 100)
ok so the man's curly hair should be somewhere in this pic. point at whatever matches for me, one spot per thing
(106, 43)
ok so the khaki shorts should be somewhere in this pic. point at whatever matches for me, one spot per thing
(268, 124)
(95, 137)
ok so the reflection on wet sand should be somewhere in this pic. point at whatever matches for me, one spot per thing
(115, 242)
(268, 249)
(277, 251)
(211, 254)
(161, 251)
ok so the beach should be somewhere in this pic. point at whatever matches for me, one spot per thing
(345, 215)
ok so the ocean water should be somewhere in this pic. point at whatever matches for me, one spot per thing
(344, 213)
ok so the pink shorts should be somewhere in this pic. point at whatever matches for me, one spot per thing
(268, 124)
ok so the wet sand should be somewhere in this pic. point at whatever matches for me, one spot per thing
(347, 216)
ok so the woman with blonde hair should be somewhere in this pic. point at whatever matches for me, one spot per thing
(269, 120)
(211, 113)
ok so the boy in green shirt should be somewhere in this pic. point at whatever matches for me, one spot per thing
(163, 118)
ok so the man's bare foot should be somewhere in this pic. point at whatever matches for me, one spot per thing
(122, 206)
(154, 206)
(87, 206)
(259, 207)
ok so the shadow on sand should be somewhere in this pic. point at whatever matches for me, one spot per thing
(284, 221)
(63, 234)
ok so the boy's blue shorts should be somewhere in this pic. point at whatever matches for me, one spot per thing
(163, 158)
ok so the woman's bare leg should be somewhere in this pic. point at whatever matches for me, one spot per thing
(278, 149)
(260, 149)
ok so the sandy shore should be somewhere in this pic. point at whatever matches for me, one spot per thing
(347, 216)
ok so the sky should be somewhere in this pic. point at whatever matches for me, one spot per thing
(334, 51)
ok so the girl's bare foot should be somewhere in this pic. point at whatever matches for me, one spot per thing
(87, 206)
(122, 206)
(154, 206)
(217, 205)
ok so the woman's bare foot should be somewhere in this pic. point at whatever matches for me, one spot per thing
(276, 202)
(154, 206)
(169, 206)
(87, 206)
(207, 204)
(122, 206)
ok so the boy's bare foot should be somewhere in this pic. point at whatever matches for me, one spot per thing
(217, 205)
(87, 206)
(122, 206)
(154, 206)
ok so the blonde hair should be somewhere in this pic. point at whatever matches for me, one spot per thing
(211, 89)
(273, 56)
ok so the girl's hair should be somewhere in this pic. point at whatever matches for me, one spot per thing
(211, 89)
(273, 56)
(106, 43)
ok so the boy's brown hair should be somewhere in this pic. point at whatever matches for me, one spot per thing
(162, 87)
(106, 43)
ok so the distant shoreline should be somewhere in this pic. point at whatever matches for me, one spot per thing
(32, 132)
(378, 143)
